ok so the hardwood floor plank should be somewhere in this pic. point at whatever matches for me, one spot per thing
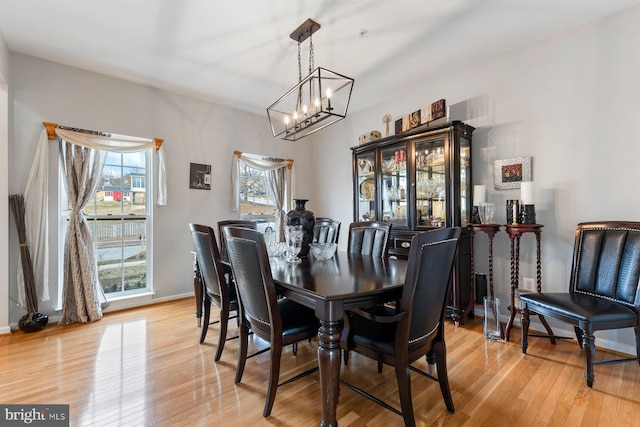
(145, 367)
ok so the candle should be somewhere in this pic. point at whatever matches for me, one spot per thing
(479, 193)
(526, 193)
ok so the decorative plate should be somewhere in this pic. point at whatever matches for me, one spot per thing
(367, 189)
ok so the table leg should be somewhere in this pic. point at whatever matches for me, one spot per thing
(329, 361)
(472, 275)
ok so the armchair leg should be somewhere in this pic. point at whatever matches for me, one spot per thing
(524, 321)
(345, 356)
(404, 389)
(440, 353)
(589, 346)
(637, 331)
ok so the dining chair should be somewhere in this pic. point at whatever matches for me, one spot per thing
(604, 289)
(415, 327)
(369, 238)
(217, 290)
(279, 321)
(326, 230)
(242, 223)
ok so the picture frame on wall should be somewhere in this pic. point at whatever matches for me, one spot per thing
(200, 176)
(510, 173)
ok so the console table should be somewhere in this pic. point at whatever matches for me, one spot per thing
(490, 230)
(515, 231)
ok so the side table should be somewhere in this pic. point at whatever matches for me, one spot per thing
(515, 231)
(490, 230)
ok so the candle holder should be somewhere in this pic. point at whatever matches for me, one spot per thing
(513, 211)
(528, 214)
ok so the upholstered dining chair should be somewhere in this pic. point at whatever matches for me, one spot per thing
(415, 327)
(604, 288)
(369, 238)
(326, 230)
(279, 321)
(217, 290)
(238, 223)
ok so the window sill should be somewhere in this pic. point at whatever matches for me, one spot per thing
(128, 301)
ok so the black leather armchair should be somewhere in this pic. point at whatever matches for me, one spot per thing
(604, 290)
(399, 336)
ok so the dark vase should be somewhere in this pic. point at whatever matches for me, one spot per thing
(301, 216)
(33, 322)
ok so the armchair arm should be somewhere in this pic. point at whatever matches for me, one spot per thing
(397, 317)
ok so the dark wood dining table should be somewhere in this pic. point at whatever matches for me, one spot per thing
(330, 287)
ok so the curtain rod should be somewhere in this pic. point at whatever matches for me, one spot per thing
(290, 161)
(51, 132)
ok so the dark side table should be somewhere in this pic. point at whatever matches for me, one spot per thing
(490, 230)
(515, 231)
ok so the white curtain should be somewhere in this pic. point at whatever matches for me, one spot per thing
(82, 168)
(276, 179)
(36, 221)
(264, 164)
(36, 195)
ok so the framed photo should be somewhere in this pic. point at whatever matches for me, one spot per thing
(200, 176)
(510, 173)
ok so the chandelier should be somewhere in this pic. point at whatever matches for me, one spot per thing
(318, 100)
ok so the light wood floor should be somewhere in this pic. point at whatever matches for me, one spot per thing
(145, 367)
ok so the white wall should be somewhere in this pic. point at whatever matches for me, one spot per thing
(4, 192)
(193, 131)
(570, 102)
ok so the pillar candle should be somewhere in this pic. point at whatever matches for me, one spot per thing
(526, 193)
(479, 192)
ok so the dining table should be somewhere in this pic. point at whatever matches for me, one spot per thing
(330, 287)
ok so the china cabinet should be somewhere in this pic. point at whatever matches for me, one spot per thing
(419, 180)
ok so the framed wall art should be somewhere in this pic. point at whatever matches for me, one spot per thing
(510, 173)
(200, 176)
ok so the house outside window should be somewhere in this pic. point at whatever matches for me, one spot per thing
(256, 202)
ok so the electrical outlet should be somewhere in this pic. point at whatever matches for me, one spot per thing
(529, 284)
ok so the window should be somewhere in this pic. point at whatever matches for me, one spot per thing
(256, 201)
(118, 215)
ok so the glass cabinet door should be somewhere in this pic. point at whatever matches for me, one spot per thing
(431, 183)
(366, 187)
(394, 186)
(465, 178)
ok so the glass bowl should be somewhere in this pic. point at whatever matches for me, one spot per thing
(323, 250)
(276, 248)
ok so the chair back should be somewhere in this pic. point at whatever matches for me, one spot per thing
(326, 230)
(369, 238)
(241, 223)
(606, 261)
(428, 282)
(208, 258)
(252, 273)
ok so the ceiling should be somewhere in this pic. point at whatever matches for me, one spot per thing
(239, 53)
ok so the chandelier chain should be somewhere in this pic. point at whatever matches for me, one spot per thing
(311, 56)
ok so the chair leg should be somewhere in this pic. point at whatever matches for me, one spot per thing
(637, 331)
(524, 321)
(379, 366)
(440, 352)
(206, 317)
(242, 351)
(294, 348)
(589, 346)
(578, 335)
(404, 390)
(274, 374)
(222, 338)
(345, 356)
